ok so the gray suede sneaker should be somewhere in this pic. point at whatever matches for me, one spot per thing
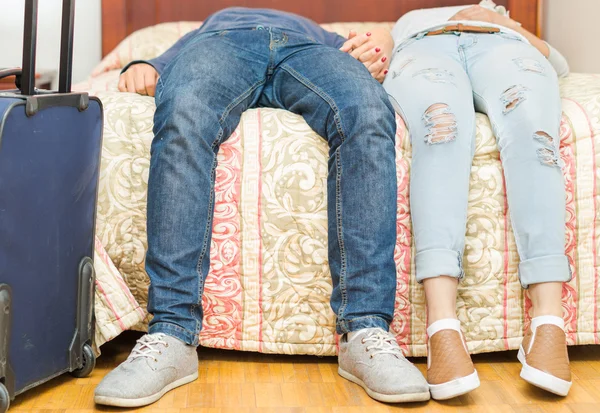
(372, 359)
(157, 364)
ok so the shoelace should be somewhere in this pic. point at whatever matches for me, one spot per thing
(383, 343)
(146, 347)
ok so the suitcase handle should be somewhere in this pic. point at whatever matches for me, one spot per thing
(29, 47)
(13, 71)
(34, 104)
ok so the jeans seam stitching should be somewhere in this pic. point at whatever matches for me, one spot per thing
(339, 128)
(208, 228)
(402, 114)
(543, 257)
(175, 327)
(340, 233)
(201, 36)
(495, 131)
(159, 88)
(231, 106)
(236, 46)
(350, 320)
(321, 94)
(463, 58)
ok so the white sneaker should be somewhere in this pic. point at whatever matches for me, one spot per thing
(372, 359)
(157, 364)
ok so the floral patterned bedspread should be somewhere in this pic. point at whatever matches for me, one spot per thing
(269, 284)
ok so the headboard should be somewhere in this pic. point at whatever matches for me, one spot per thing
(122, 17)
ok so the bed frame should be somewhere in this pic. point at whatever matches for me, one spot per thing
(122, 17)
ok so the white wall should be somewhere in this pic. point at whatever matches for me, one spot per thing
(87, 44)
(571, 26)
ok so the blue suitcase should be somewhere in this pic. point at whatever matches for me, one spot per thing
(50, 146)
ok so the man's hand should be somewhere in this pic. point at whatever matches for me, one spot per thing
(140, 78)
(478, 13)
(373, 49)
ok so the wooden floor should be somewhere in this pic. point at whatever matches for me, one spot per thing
(236, 382)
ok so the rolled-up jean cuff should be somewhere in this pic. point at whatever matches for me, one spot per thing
(551, 268)
(173, 330)
(354, 324)
(433, 263)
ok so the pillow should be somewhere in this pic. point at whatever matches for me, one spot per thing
(144, 44)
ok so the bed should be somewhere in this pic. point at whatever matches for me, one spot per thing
(269, 284)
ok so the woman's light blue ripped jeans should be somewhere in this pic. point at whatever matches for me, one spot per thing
(437, 83)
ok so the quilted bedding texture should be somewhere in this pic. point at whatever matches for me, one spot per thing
(269, 285)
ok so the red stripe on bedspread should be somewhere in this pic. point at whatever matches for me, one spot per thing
(595, 195)
(111, 306)
(595, 173)
(103, 256)
(260, 244)
(570, 296)
(403, 252)
(222, 300)
(506, 261)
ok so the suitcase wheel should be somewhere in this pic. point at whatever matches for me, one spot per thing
(89, 362)
(4, 399)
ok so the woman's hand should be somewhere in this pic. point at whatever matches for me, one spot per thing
(373, 49)
(140, 78)
(478, 13)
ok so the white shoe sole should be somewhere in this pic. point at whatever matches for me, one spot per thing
(386, 398)
(455, 387)
(541, 379)
(143, 401)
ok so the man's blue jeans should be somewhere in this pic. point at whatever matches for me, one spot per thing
(200, 98)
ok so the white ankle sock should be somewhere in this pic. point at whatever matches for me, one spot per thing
(443, 324)
(547, 319)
